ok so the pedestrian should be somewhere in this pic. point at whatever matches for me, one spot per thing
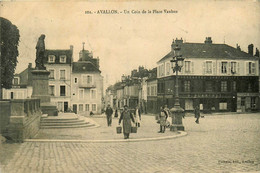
(162, 119)
(109, 112)
(126, 116)
(197, 113)
(137, 116)
(116, 113)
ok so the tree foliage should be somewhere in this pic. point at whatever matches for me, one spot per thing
(9, 39)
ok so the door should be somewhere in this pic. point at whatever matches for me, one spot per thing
(66, 106)
(75, 108)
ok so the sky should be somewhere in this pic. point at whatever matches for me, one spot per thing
(125, 41)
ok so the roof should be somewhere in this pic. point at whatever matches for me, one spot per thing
(202, 50)
(84, 67)
(57, 53)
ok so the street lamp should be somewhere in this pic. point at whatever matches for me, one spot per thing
(177, 111)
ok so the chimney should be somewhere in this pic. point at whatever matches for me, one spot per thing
(98, 62)
(238, 47)
(208, 40)
(71, 48)
(30, 65)
(257, 52)
(251, 49)
(174, 43)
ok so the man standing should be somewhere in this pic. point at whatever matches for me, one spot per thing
(197, 113)
(109, 112)
(126, 116)
(137, 116)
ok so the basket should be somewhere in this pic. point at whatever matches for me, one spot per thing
(133, 129)
(118, 129)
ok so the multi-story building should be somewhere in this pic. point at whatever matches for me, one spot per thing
(87, 84)
(59, 64)
(22, 85)
(152, 106)
(217, 77)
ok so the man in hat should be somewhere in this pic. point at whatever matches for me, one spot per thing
(109, 112)
(126, 116)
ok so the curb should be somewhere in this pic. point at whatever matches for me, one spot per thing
(180, 134)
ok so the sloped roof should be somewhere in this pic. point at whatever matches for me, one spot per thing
(84, 67)
(202, 50)
(57, 53)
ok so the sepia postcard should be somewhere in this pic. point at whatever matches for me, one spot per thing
(130, 86)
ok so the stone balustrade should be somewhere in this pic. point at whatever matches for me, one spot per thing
(24, 119)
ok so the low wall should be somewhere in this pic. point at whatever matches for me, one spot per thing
(5, 113)
(24, 120)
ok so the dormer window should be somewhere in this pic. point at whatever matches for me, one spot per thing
(51, 58)
(16, 81)
(63, 59)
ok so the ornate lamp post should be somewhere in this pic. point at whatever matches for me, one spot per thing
(177, 111)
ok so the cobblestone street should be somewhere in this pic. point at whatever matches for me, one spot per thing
(221, 143)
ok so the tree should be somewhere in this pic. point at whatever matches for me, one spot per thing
(9, 39)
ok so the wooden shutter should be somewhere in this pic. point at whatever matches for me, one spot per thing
(214, 67)
(204, 67)
(247, 68)
(219, 67)
(253, 68)
(192, 67)
(228, 67)
(238, 68)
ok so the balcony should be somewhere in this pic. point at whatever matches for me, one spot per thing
(87, 85)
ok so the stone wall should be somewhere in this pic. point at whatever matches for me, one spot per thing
(5, 113)
(24, 120)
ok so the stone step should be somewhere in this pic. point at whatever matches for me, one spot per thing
(58, 121)
(72, 126)
(63, 124)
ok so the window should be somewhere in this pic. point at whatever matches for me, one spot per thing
(187, 66)
(224, 67)
(253, 102)
(51, 76)
(63, 59)
(208, 67)
(75, 80)
(168, 68)
(51, 58)
(233, 67)
(16, 81)
(234, 86)
(94, 107)
(51, 90)
(93, 94)
(251, 68)
(80, 107)
(62, 91)
(62, 74)
(87, 79)
(187, 86)
(86, 107)
(81, 93)
(223, 86)
(148, 91)
(222, 106)
(209, 86)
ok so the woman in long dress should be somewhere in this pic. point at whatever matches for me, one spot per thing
(126, 116)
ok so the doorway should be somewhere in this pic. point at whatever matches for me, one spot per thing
(66, 105)
(75, 108)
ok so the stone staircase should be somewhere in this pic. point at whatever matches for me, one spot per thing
(64, 121)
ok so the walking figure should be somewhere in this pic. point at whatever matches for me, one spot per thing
(116, 113)
(197, 113)
(126, 116)
(109, 112)
(137, 116)
(162, 119)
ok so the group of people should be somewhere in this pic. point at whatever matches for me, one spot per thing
(126, 116)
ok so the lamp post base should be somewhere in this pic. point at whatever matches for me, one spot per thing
(177, 114)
